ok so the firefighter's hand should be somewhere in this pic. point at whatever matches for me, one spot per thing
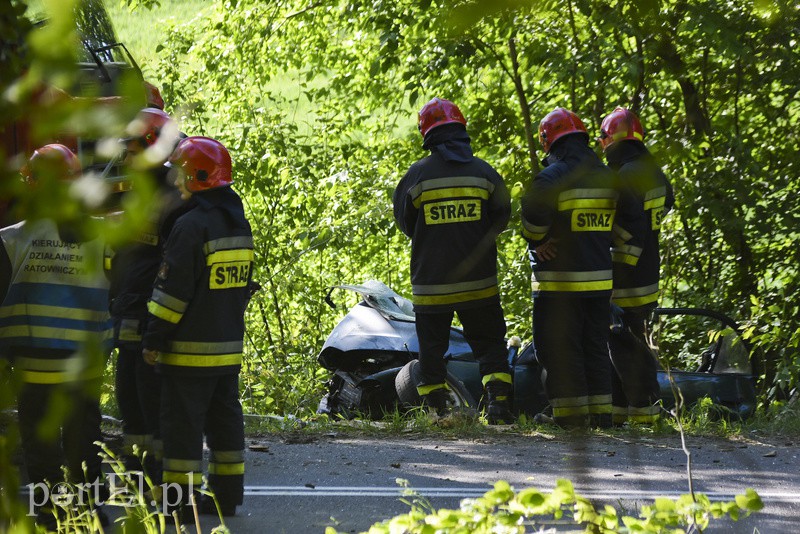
(150, 356)
(547, 250)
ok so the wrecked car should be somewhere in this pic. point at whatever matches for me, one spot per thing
(701, 354)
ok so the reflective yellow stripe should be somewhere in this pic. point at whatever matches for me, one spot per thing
(455, 297)
(129, 330)
(600, 285)
(64, 334)
(450, 193)
(207, 347)
(655, 203)
(568, 406)
(621, 234)
(621, 257)
(45, 377)
(200, 360)
(452, 183)
(424, 390)
(599, 403)
(169, 301)
(226, 243)
(500, 377)
(42, 310)
(596, 203)
(533, 232)
(228, 256)
(225, 469)
(164, 313)
(635, 296)
(572, 281)
(227, 456)
(587, 198)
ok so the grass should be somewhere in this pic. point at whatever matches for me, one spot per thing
(143, 30)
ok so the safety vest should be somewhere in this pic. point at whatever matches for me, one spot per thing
(56, 305)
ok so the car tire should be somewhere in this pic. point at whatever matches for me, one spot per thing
(406, 381)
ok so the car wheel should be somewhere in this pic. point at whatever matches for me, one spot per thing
(406, 385)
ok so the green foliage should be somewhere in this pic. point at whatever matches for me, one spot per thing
(318, 103)
(501, 509)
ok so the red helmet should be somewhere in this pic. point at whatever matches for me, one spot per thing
(56, 161)
(147, 126)
(437, 112)
(153, 96)
(205, 161)
(557, 124)
(620, 124)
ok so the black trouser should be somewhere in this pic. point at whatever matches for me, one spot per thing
(138, 391)
(194, 406)
(59, 425)
(484, 330)
(635, 387)
(570, 335)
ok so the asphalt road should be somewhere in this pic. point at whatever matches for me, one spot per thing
(300, 484)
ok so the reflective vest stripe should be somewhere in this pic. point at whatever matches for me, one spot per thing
(54, 334)
(44, 310)
(655, 203)
(453, 192)
(226, 256)
(226, 243)
(452, 182)
(47, 377)
(200, 360)
(601, 203)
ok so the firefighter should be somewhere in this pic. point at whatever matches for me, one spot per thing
(133, 270)
(195, 331)
(453, 206)
(635, 384)
(568, 211)
(54, 325)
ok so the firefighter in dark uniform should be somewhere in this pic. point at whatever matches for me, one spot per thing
(55, 326)
(453, 206)
(195, 332)
(568, 211)
(635, 385)
(153, 136)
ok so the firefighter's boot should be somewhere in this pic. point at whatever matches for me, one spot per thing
(498, 403)
(436, 401)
